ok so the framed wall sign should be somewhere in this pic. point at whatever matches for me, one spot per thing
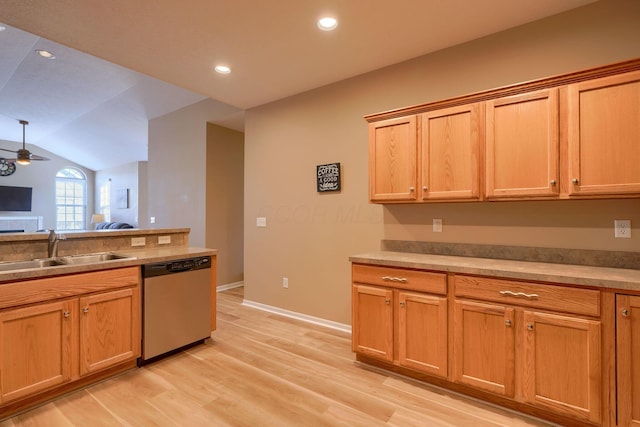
(328, 177)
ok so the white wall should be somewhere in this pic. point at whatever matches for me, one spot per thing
(128, 176)
(41, 175)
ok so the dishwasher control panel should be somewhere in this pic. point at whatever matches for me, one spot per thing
(176, 266)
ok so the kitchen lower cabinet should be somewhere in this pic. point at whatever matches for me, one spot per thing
(563, 365)
(35, 348)
(422, 332)
(67, 331)
(373, 321)
(484, 347)
(628, 359)
(109, 332)
(400, 317)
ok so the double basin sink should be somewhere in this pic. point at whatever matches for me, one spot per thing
(64, 260)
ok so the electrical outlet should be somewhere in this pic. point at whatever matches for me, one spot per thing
(152, 220)
(437, 226)
(622, 228)
(261, 222)
(138, 241)
(285, 282)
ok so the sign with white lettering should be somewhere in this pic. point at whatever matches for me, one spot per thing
(328, 177)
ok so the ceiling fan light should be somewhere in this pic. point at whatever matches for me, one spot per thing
(24, 157)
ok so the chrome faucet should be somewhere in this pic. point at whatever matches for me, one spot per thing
(53, 243)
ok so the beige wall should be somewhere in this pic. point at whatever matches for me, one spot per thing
(309, 236)
(225, 186)
(177, 169)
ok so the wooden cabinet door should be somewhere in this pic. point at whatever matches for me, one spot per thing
(422, 332)
(628, 359)
(393, 157)
(522, 146)
(109, 329)
(563, 365)
(604, 135)
(35, 348)
(484, 346)
(372, 313)
(451, 153)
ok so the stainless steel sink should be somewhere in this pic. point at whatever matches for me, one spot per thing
(34, 263)
(91, 258)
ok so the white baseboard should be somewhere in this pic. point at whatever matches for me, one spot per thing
(228, 286)
(299, 316)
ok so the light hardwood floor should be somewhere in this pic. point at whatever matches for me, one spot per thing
(262, 369)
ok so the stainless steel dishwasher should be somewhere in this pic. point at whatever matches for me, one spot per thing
(176, 305)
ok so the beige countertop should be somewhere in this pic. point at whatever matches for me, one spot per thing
(598, 277)
(142, 256)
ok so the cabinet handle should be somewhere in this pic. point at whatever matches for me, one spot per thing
(518, 294)
(625, 312)
(402, 304)
(387, 301)
(553, 182)
(575, 181)
(424, 188)
(411, 189)
(66, 314)
(394, 279)
(530, 326)
(85, 310)
(508, 322)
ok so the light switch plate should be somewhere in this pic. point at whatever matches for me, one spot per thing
(261, 221)
(437, 226)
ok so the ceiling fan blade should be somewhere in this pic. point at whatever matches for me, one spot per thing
(10, 151)
(36, 157)
(9, 160)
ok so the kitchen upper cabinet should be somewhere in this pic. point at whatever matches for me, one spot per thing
(109, 329)
(604, 136)
(393, 154)
(422, 332)
(484, 347)
(36, 346)
(372, 323)
(522, 146)
(563, 365)
(628, 359)
(452, 143)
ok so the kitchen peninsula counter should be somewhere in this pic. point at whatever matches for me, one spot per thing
(28, 246)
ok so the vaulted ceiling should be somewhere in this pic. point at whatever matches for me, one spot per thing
(84, 107)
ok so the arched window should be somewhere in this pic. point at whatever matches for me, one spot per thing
(71, 199)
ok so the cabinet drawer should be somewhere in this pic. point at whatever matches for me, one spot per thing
(415, 280)
(550, 297)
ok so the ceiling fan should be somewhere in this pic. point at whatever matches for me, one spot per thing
(24, 156)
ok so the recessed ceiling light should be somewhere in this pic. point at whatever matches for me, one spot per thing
(327, 23)
(222, 69)
(45, 54)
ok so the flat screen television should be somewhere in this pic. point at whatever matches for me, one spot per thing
(15, 198)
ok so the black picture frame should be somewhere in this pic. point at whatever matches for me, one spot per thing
(328, 177)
